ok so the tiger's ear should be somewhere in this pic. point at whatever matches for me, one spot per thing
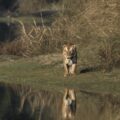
(74, 46)
(64, 45)
(66, 90)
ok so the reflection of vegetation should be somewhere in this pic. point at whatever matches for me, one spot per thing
(4, 101)
(22, 102)
(18, 102)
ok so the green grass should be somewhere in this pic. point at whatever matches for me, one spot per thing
(27, 19)
(30, 72)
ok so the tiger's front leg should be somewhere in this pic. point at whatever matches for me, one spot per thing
(66, 70)
(73, 69)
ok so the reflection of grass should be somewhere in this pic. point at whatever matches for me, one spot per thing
(28, 72)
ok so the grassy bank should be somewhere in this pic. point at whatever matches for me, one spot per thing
(32, 72)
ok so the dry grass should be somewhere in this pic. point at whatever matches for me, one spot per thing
(32, 40)
(109, 53)
(92, 25)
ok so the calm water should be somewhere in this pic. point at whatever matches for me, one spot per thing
(23, 103)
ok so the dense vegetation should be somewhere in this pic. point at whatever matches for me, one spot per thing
(92, 24)
(25, 6)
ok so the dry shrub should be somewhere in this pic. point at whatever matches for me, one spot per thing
(37, 40)
(12, 48)
(41, 39)
(84, 22)
(87, 23)
(31, 41)
(109, 54)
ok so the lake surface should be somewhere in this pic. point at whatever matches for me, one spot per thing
(19, 102)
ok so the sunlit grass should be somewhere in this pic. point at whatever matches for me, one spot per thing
(32, 73)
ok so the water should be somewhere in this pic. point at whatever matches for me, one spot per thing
(19, 102)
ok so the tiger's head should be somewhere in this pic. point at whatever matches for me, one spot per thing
(68, 52)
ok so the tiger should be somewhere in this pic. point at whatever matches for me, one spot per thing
(69, 59)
